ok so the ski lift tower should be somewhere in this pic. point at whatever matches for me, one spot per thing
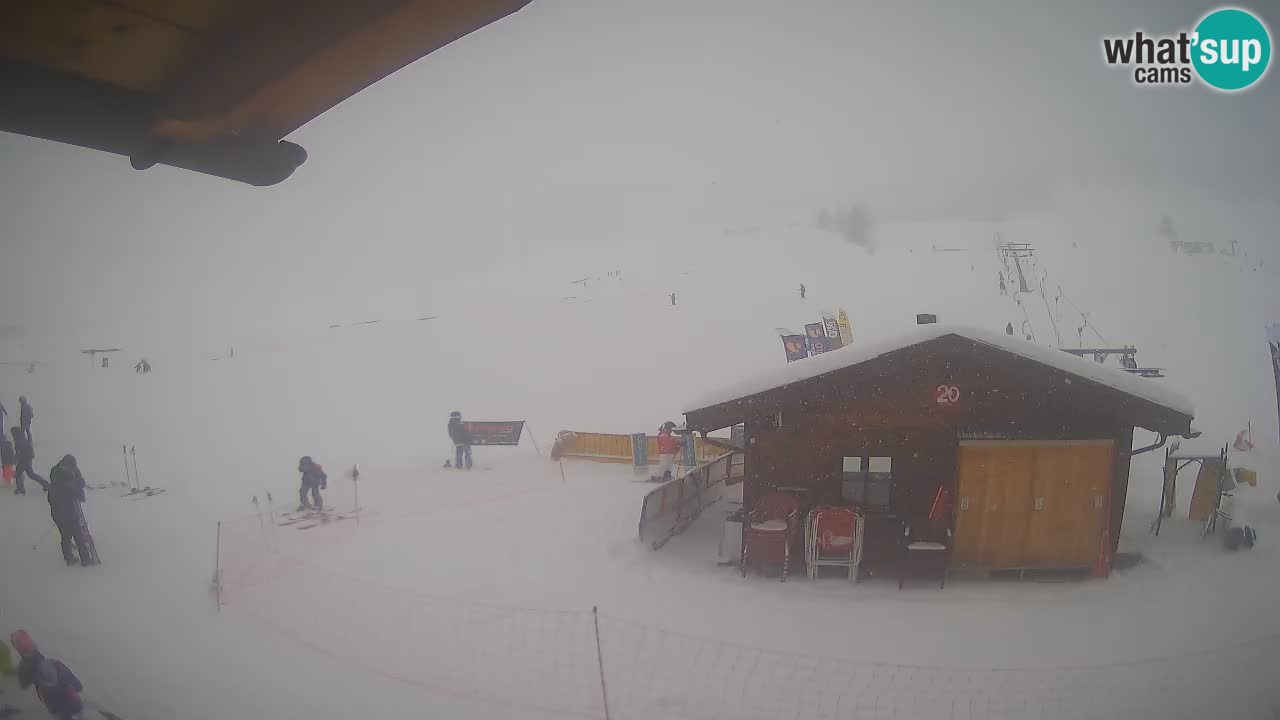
(1019, 252)
(93, 354)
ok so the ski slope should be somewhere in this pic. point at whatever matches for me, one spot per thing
(470, 594)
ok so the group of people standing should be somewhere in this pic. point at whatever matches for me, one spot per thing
(64, 489)
(18, 456)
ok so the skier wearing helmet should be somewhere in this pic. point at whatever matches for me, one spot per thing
(313, 481)
(56, 686)
(461, 438)
(667, 448)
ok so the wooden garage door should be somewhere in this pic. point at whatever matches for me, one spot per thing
(1028, 504)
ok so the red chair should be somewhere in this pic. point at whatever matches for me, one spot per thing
(833, 538)
(769, 531)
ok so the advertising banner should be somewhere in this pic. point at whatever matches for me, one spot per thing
(795, 347)
(816, 334)
(846, 329)
(640, 449)
(690, 450)
(495, 433)
(832, 329)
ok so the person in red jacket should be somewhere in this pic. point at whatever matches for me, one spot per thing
(668, 446)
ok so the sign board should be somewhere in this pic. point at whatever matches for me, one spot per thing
(640, 449)
(495, 433)
(947, 395)
(690, 450)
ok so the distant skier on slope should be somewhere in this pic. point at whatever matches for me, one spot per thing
(25, 415)
(25, 456)
(56, 686)
(461, 438)
(66, 492)
(1004, 289)
(673, 299)
(313, 481)
(803, 291)
(667, 447)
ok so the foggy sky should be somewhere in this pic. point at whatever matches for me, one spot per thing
(572, 120)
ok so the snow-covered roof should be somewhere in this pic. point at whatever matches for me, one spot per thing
(811, 367)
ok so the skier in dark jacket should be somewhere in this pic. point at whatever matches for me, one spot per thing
(313, 481)
(461, 438)
(25, 416)
(25, 455)
(66, 492)
(56, 686)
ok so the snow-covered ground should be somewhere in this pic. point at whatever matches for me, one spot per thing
(471, 594)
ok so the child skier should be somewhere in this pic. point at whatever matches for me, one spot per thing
(313, 480)
(56, 686)
(667, 448)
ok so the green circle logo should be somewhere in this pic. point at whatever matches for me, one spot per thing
(1232, 49)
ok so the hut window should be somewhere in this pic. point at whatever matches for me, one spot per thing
(867, 481)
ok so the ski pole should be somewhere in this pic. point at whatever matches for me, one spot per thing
(134, 452)
(257, 509)
(42, 537)
(124, 451)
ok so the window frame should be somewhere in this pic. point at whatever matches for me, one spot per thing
(866, 477)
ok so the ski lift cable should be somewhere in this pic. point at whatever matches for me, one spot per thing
(1047, 311)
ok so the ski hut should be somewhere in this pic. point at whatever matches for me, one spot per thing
(1007, 455)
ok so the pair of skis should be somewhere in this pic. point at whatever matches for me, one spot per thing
(86, 538)
(306, 519)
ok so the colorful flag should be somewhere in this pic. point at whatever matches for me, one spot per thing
(795, 347)
(832, 329)
(846, 330)
(1273, 339)
(817, 336)
(1244, 439)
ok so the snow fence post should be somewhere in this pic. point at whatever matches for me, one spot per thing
(217, 568)
(604, 691)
